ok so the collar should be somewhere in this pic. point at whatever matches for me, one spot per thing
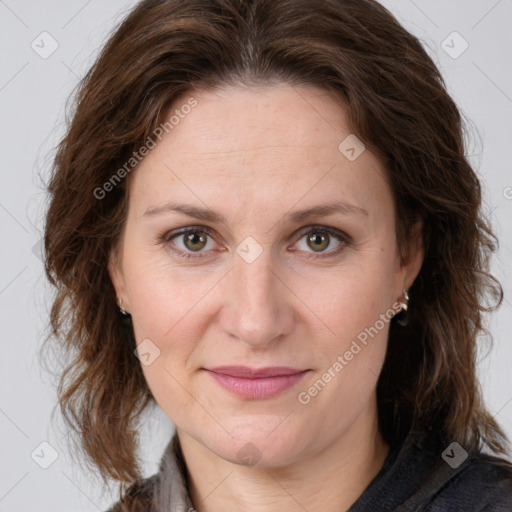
(172, 489)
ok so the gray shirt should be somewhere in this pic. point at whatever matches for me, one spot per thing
(422, 473)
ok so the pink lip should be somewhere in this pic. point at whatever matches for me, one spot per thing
(256, 383)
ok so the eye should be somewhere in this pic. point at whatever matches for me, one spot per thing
(190, 241)
(319, 239)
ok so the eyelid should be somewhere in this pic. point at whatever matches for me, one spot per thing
(327, 229)
(168, 235)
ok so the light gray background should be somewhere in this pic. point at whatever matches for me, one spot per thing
(33, 92)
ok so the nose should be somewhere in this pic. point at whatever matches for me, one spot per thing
(258, 308)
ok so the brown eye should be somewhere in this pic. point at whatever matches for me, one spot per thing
(189, 243)
(318, 242)
(195, 240)
(322, 242)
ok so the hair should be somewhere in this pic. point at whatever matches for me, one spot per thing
(396, 102)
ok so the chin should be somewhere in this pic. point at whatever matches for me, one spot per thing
(259, 442)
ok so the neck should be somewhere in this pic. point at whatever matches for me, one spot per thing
(331, 480)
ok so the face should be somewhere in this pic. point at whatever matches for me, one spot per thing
(259, 263)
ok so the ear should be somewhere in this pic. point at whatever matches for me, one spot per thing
(115, 272)
(413, 256)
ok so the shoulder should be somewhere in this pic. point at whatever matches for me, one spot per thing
(483, 483)
(480, 482)
(138, 497)
(423, 473)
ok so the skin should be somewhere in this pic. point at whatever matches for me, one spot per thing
(255, 155)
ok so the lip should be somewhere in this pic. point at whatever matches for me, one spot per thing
(256, 383)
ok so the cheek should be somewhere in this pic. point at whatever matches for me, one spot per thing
(172, 391)
(354, 303)
(356, 306)
(352, 296)
(162, 294)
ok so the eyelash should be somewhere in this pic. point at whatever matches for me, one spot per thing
(344, 239)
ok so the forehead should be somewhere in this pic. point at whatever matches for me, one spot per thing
(258, 143)
(264, 119)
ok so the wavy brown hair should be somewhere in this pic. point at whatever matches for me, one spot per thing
(396, 102)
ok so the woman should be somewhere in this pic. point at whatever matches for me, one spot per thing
(262, 220)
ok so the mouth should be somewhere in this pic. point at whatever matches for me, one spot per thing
(256, 383)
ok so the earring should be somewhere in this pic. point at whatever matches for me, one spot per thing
(120, 303)
(403, 318)
(405, 302)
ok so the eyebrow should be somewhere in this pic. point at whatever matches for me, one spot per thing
(206, 214)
